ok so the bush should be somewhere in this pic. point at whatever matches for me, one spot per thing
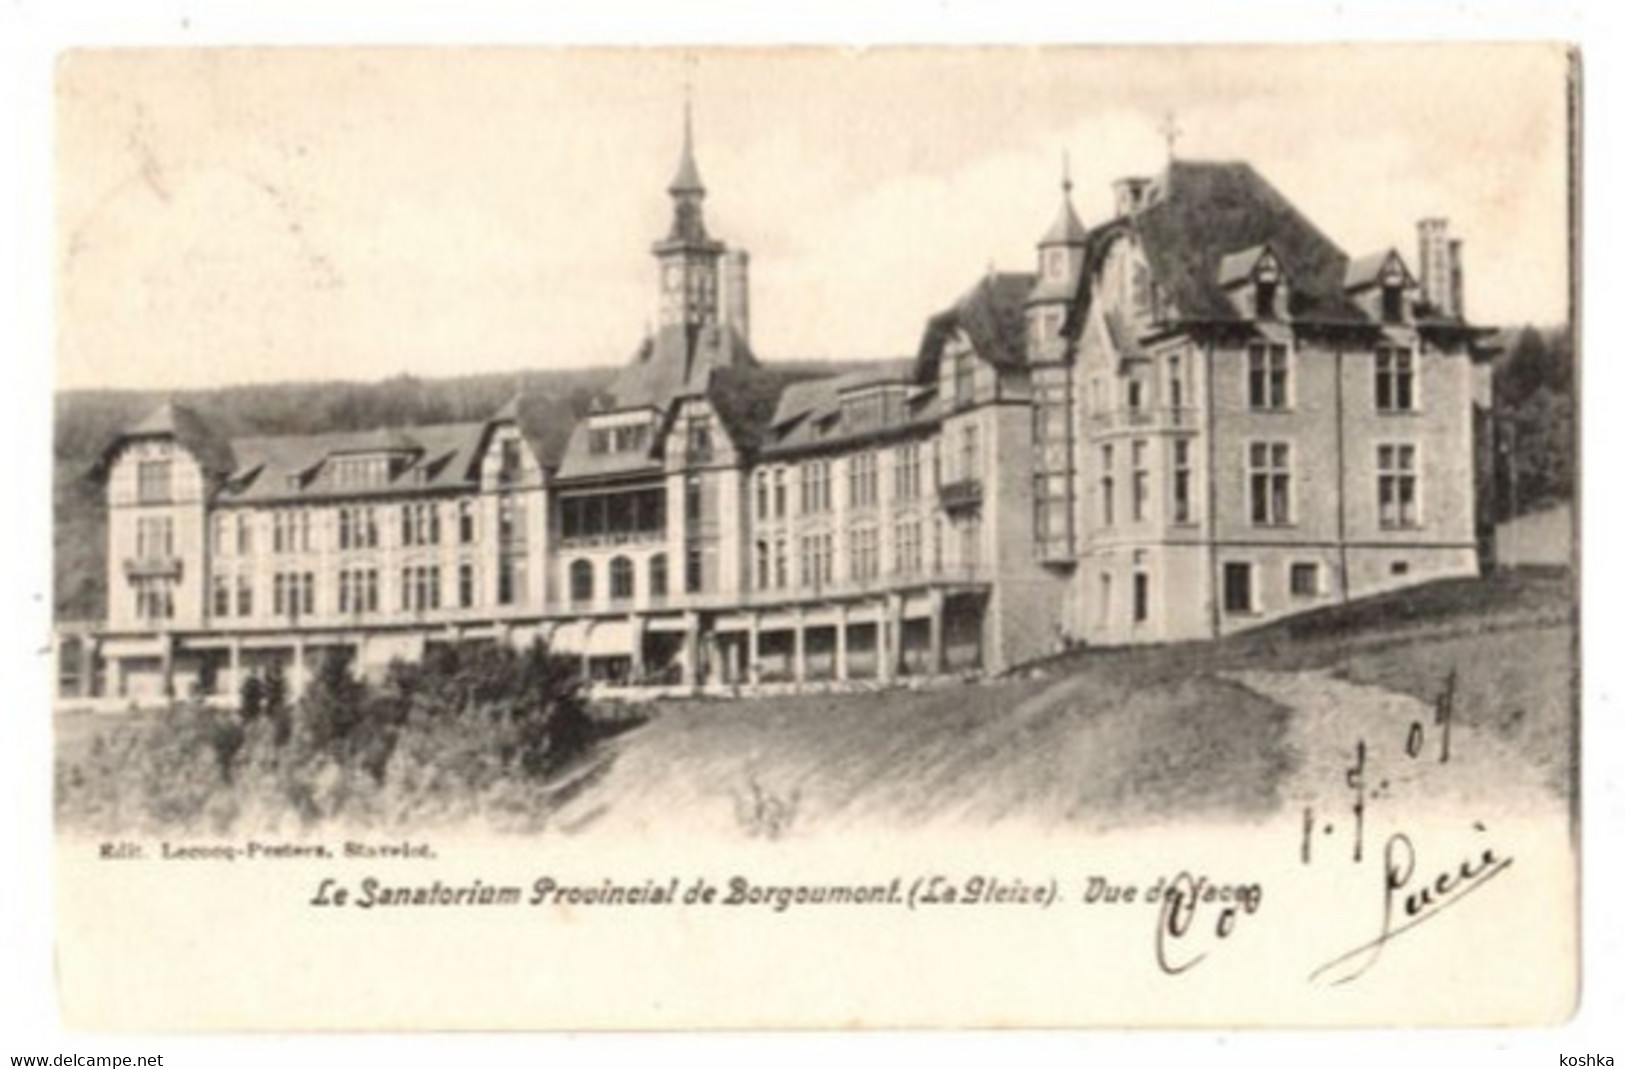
(475, 731)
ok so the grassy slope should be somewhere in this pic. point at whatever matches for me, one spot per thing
(1104, 738)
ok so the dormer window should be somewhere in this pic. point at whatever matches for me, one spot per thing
(964, 362)
(1393, 293)
(510, 463)
(699, 438)
(1266, 287)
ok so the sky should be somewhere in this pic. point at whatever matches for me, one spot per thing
(241, 215)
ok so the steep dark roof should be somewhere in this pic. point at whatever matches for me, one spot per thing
(808, 412)
(745, 398)
(1067, 229)
(169, 420)
(1368, 269)
(677, 362)
(545, 424)
(265, 465)
(1198, 213)
(991, 315)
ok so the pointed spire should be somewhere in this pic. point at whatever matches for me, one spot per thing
(687, 179)
(1067, 229)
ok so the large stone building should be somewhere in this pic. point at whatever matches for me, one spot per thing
(1194, 417)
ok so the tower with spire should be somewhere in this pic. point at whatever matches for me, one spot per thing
(688, 256)
(1060, 264)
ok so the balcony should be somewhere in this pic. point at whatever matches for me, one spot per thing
(1151, 419)
(961, 494)
(166, 567)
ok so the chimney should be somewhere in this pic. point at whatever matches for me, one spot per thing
(736, 292)
(1458, 306)
(1434, 258)
(1130, 195)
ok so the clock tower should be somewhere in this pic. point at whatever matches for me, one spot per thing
(688, 257)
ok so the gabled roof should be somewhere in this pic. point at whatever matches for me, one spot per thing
(169, 420)
(544, 423)
(805, 406)
(676, 362)
(1368, 270)
(1204, 212)
(1237, 267)
(992, 317)
(288, 466)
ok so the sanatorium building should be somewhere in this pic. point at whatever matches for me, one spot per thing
(1197, 416)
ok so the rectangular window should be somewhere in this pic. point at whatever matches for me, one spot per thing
(506, 584)
(699, 438)
(1396, 487)
(907, 547)
(908, 472)
(1176, 383)
(307, 591)
(222, 596)
(465, 585)
(863, 481)
(781, 496)
(1269, 483)
(1304, 579)
(1182, 480)
(692, 499)
(511, 463)
(1142, 597)
(1264, 298)
(1267, 377)
(781, 564)
(1142, 480)
(696, 570)
(245, 596)
(1396, 380)
(1238, 587)
(763, 502)
(465, 522)
(1393, 304)
(245, 533)
(964, 363)
(153, 481)
(1108, 488)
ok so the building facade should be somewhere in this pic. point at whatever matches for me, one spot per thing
(1195, 417)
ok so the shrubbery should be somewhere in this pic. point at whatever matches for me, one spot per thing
(475, 732)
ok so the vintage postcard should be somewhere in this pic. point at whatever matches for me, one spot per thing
(781, 538)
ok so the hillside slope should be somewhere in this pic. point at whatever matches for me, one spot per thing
(1234, 730)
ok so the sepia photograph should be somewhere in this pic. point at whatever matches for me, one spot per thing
(923, 513)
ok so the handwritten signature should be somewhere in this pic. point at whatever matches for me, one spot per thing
(1409, 901)
(1197, 911)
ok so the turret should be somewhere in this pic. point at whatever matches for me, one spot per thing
(1060, 263)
